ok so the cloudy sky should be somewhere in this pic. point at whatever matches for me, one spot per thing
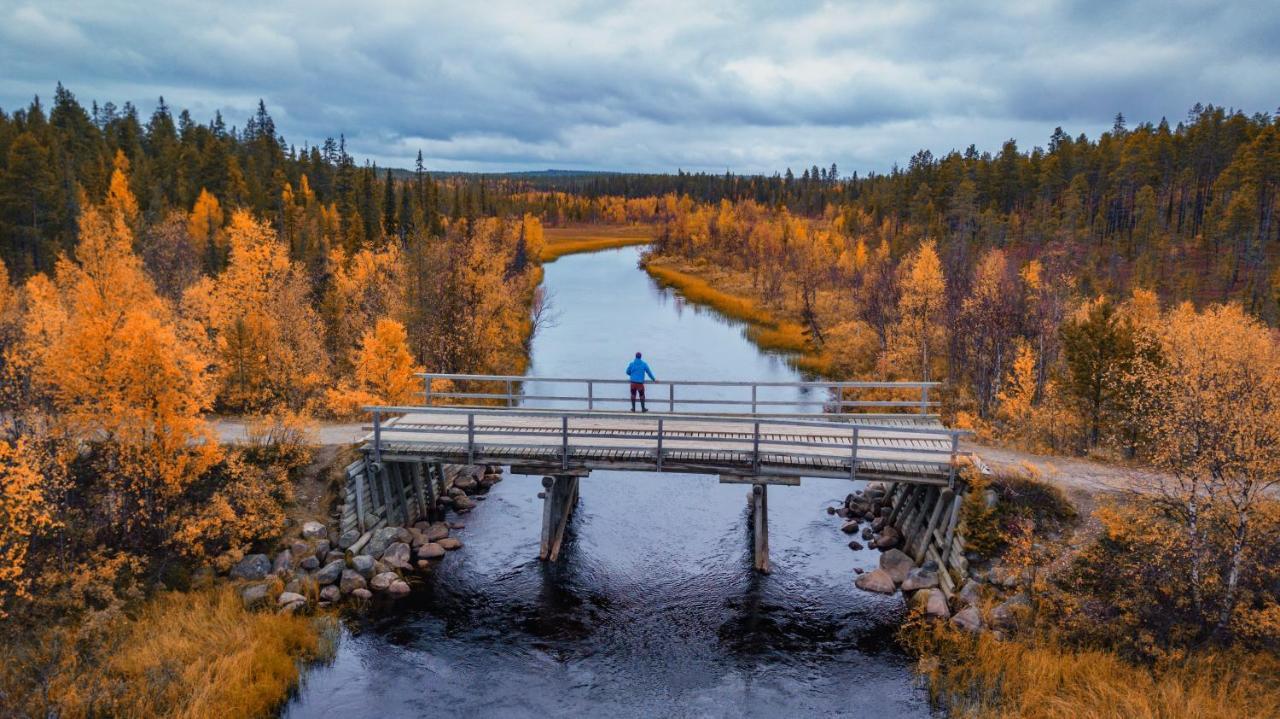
(653, 85)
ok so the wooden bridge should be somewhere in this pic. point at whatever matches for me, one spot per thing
(745, 432)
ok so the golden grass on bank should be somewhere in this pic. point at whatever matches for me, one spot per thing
(561, 241)
(194, 654)
(984, 677)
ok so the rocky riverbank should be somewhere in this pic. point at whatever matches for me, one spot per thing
(321, 568)
(867, 514)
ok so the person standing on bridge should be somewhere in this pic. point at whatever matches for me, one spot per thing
(637, 371)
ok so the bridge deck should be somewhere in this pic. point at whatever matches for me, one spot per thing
(913, 449)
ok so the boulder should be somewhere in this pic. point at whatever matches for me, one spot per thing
(422, 525)
(351, 581)
(877, 581)
(283, 564)
(437, 531)
(855, 545)
(450, 543)
(294, 585)
(1002, 576)
(330, 594)
(1008, 613)
(464, 504)
(490, 479)
(322, 547)
(970, 594)
(457, 525)
(363, 564)
(397, 555)
(868, 534)
(384, 538)
(330, 573)
(289, 598)
(310, 563)
(398, 588)
(292, 607)
(831, 510)
(333, 556)
(897, 565)
(919, 578)
(300, 549)
(348, 538)
(255, 595)
(314, 530)
(253, 567)
(850, 527)
(889, 537)
(431, 550)
(381, 582)
(968, 619)
(936, 604)
(466, 483)
(362, 594)
(423, 565)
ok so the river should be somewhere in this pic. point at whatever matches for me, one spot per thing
(653, 609)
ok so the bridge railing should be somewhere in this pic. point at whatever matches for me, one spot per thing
(697, 397)
(778, 445)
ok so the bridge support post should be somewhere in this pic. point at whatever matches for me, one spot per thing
(560, 497)
(760, 527)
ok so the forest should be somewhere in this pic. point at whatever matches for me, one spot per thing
(1113, 296)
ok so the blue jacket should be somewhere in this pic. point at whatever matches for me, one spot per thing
(638, 369)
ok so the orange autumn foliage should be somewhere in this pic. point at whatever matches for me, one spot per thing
(385, 372)
(24, 511)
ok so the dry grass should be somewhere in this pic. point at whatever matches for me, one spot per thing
(561, 241)
(195, 654)
(984, 677)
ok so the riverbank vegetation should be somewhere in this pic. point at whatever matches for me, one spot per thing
(561, 241)
(151, 275)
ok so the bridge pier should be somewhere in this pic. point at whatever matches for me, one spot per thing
(560, 497)
(759, 499)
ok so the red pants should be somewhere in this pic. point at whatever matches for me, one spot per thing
(637, 388)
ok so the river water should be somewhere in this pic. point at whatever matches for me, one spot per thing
(653, 609)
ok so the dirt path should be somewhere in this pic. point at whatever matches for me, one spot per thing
(234, 431)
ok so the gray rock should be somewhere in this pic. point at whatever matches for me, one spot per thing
(314, 530)
(381, 582)
(292, 607)
(463, 504)
(348, 538)
(253, 566)
(855, 545)
(362, 594)
(431, 550)
(877, 581)
(330, 573)
(398, 588)
(970, 594)
(919, 578)
(322, 548)
(1011, 611)
(889, 537)
(868, 534)
(450, 543)
(283, 564)
(363, 564)
(294, 585)
(254, 595)
(350, 581)
(466, 483)
(384, 538)
(437, 531)
(334, 556)
(310, 563)
(423, 565)
(849, 527)
(397, 555)
(936, 604)
(300, 549)
(490, 479)
(289, 598)
(1002, 576)
(330, 594)
(897, 564)
(968, 619)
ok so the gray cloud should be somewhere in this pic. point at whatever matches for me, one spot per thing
(747, 86)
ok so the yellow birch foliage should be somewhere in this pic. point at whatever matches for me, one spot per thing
(205, 223)
(365, 286)
(105, 351)
(23, 512)
(918, 336)
(263, 329)
(120, 199)
(385, 372)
